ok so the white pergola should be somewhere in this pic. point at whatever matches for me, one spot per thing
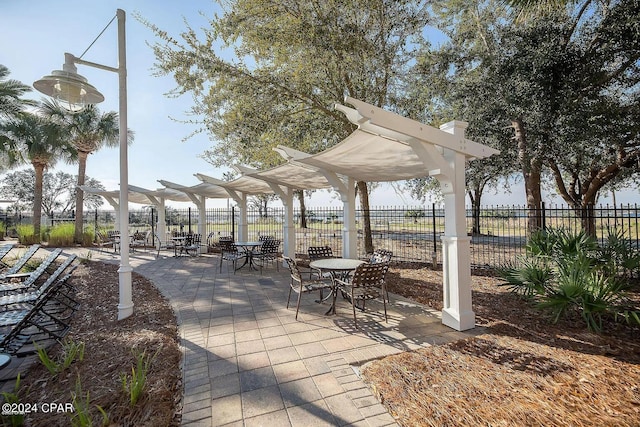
(385, 147)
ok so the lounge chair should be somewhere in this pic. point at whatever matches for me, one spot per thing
(43, 324)
(27, 291)
(15, 268)
(4, 251)
(30, 278)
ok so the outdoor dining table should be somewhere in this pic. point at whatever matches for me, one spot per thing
(339, 268)
(248, 249)
(178, 242)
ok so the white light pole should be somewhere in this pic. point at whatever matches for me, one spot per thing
(74, 93)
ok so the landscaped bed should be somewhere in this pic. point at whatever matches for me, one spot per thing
(522, 371)
(111, 350)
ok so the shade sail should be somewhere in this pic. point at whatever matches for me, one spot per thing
(293, 175)
(134, 197)
(372, 158)
(244, 184)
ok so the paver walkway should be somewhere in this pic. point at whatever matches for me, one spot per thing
(248, 362)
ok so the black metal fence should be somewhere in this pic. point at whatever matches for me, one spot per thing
(412, 233)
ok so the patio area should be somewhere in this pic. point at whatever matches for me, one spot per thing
(247, 361)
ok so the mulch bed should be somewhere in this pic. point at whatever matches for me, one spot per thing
(111, 347)
(524, 371)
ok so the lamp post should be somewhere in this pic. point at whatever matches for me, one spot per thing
(75, 92)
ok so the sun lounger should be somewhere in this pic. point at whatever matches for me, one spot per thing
(29, 278)
(31, 294)
(4, 251)
(44, 323)
(15, 268)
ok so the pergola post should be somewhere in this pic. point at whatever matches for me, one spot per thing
(202, 221)
(162, 220)
(457, 312)
(243, 228)
(289, 228)
(116, 207)
(349, 231)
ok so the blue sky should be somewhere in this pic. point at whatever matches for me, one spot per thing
(35, 35)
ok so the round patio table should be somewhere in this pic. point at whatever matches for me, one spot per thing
(248, 249)
(339, 268)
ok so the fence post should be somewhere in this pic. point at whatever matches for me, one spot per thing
(434, 254)
(189, 219)
(95, 226)
(544, 217)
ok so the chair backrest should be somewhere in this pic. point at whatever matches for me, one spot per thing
(265, 238)
(23, 260)
(4, 250)
(270, 246)
(39, 271)
(319, 252)
(56, 274)
(369, 275)
(194, 240)
(380, 255)
(293, 268)
(227, 246)
(223, 239)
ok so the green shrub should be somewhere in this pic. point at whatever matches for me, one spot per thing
(566, 273)
(26, 234)
(62, 235)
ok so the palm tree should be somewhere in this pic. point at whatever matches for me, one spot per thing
(11, 92)
(11, 104)
(41, 142)
(90, 130)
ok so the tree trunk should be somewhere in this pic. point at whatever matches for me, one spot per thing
(475, 196)
(588, 219)
(303, 209)
(531, 166)
(37, 199)
(82, 167)
(366, 217)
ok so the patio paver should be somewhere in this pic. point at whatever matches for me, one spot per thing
(247, 361)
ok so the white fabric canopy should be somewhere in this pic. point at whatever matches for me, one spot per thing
(385, 147)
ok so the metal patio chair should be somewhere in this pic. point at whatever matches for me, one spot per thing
(367, 282)
(301, 285)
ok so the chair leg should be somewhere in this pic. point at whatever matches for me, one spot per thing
(385, 310)
(353, 306)
(299, 298)
(289, 297)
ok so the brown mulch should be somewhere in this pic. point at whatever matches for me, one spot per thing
(111, 347)
(523, 371)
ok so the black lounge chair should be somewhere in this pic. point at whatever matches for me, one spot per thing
(44, 323)
(31, 277)
(15, 268)
(4, 251)
(31, 294)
